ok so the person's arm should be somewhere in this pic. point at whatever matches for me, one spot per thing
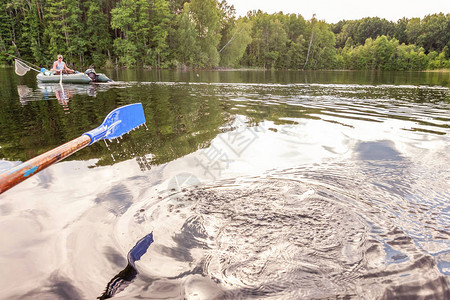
(54, 67)
(66, 68)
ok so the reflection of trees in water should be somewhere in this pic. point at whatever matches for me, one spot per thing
(178, 121)
(181, 118)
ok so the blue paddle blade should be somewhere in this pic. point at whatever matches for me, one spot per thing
(118, 122)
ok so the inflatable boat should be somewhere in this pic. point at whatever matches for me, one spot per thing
(88, 76)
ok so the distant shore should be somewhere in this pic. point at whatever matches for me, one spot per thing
(247, 69)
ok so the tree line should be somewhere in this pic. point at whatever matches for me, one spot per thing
(208, 34)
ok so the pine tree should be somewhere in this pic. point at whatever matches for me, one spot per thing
(159, 22)
(98, 38)
(132, 18)
(207, 16)
(32, 31)
(5, 33)
(187, 38)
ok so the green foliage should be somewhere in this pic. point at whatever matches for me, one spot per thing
(160, 22)
(284, 41)
(400, 30)
(322, 51)
(74, 45)
(32, 31)
(187, 38)
(198, 34)
(53, 33)
(296, 54)
(268, 41)
(432, 32)
(207, 34)
(206, 16)
(360, 30)
(126, 50)
(435, 33)
(387, 54)
(373, 28)
(144, 27)
(98, 39)
(6, 32)
(384, 53)
(235, 47)
(63, 25)
(132, 18)
(439, 61)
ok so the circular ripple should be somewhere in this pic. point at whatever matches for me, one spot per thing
(278, 238)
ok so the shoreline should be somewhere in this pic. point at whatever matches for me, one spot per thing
(249, 69)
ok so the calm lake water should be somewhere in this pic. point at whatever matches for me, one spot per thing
(244, 185)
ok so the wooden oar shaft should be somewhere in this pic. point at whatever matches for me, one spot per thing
(23, 171)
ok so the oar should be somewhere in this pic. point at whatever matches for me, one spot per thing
(117, 123)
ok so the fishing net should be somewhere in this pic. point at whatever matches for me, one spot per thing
(21, 68)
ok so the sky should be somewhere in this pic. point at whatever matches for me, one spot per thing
(334, 11)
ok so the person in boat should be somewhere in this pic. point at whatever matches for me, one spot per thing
(60, 66)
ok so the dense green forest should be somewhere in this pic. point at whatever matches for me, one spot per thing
(208, 34)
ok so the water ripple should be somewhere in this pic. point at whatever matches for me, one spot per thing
(295, 234)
